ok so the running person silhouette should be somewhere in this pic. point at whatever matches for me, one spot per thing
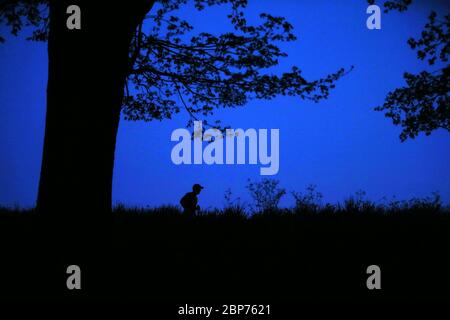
(189, 202)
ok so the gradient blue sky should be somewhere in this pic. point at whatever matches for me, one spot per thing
(341, 144)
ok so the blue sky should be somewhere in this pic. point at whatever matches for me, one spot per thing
(341, 144)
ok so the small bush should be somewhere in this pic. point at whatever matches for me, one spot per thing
(266, 194)
(234, 207)
(308, 202)
(358, 203)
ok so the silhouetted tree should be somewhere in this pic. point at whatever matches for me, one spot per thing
(163, 67)
(423, 105)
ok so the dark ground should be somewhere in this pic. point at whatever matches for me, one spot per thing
(282, 258)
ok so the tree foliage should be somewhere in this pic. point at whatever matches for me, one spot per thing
(399, 5)
(423, 105)
(26, 13)
(172, 68)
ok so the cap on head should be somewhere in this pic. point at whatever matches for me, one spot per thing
(197, 187)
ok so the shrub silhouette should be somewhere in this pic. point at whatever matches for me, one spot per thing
(308, 202)
(358, 203)
(265, 194)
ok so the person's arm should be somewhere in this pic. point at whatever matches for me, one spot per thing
(197, 207)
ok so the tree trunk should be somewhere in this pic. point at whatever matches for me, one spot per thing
(87, 73)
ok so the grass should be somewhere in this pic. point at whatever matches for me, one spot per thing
(298, 253)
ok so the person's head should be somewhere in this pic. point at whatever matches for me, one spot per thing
(197, 188)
